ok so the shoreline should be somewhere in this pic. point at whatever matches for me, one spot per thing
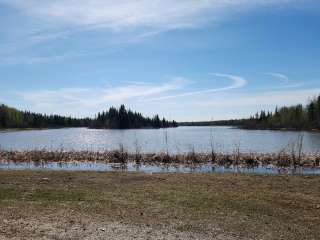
(7, 130)
(280, 129)
(253, 128)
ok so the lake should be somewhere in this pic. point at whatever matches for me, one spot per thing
(176, 140)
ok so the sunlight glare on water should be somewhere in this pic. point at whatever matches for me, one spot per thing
(180, 140)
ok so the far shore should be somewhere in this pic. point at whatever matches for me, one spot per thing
(248, 128)
(280, 129)
(6, 130)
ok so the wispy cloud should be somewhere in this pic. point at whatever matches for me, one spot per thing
(164, 98)
(279, 76)
(137, 20)
(239, 105)
(237, 82)
(11, 60)
(267, 99)
(119, 15)
(94, 97)
(173, 91)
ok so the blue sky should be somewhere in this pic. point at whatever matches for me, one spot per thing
(184, 59)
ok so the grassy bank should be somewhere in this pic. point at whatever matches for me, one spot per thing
(73, 205)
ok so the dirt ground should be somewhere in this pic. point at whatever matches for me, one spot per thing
(92, 205)
(86, 228)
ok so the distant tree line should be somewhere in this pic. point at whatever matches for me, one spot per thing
(233, 122)
(113, 119)
(125, 119)
(13, 118)
(296, 117)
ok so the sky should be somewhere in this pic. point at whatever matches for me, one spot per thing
(187, 60)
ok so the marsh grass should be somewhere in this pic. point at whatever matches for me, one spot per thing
(192, 157)
(282, 159)
(317, 161)
(212, 147)
(120, 155)
(137, 154)
(251, 160)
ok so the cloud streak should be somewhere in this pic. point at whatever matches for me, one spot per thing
(239, 105)
(126, 21)
(283, 78)
(237, 82)
(268, 98)
(162, 98)
(93, 97)
(87, 98)
(124, 14)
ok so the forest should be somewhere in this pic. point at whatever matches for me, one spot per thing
(112, 119)
(296, 117)
(125, 119)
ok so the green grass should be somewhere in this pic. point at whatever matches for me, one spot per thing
(9, 193)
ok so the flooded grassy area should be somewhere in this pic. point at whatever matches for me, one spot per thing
(121, 156)
(96, 205)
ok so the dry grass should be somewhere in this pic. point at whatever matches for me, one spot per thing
(247, 206)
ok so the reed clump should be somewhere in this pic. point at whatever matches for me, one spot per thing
(192, 157)
(224, 160)
(162, 157)
(251, 160)
(120, 156)
(316, 162)
(284, 159)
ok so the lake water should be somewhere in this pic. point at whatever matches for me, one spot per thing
(176, 140)
(132, 167)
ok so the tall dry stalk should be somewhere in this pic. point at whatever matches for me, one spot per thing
(192, 155)
(237, 154)
(300, 148)
(166, 141)
(213, 153)
(137, 155)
